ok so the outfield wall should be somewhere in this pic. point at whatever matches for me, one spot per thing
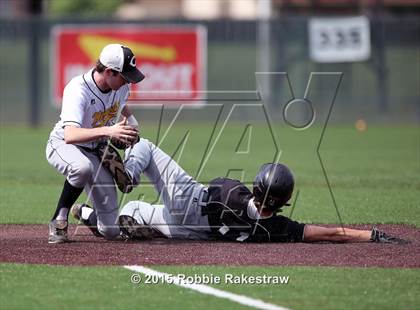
(231, 62)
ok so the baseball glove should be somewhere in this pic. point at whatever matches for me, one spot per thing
(122, 145)
(111, 160)
(119, 144)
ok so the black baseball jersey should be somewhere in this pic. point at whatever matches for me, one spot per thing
(227, 209)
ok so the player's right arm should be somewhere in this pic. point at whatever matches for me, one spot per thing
(74, 134)
(314, 233)
(74, 106)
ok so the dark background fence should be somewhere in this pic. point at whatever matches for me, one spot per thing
(385, 88)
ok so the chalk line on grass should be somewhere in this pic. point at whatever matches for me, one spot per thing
(205, 289)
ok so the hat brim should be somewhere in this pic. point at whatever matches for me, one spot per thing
(133, 76)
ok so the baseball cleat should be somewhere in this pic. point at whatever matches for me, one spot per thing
(381, 237)
(76, 212)
(111, 159)
(58, 231)
(131, 229)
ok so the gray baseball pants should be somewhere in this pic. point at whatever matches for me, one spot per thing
(82, 169)
(180, 193)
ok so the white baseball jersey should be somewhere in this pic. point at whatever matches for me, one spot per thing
(85, 105)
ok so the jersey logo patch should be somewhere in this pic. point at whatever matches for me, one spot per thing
(101, 118)
(92, 101)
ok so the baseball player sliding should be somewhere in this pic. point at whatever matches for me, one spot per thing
(92, 104)
(226, 210)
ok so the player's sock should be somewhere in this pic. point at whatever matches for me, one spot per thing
(85, 213)
(92, 220)
(63, 214)
(68, 196)
(88, 218)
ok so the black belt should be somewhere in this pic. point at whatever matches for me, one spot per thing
(209, 210)
(94, 150)
(87, 149)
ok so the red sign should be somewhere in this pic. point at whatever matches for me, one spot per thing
(172, 59)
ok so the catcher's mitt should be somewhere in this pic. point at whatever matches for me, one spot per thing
(122, 145)
(111, 159)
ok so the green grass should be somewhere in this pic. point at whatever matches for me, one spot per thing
(374, 175)
(110, 288)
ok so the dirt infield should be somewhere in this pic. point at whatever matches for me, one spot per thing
(28, 244)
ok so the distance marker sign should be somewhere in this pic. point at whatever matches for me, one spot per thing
(344, 39)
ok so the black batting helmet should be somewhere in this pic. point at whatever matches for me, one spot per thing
(273, 186)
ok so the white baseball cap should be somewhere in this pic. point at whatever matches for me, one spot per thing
(120, 58)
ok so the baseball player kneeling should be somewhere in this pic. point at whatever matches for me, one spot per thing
(225, 210)
(77, 146)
